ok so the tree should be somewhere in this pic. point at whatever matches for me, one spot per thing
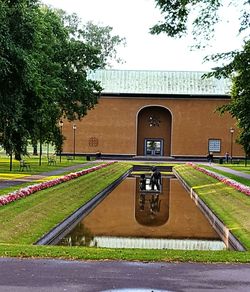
(16, 41)
(101, 37)
(239, 107)
(203, 16)
(44, 72)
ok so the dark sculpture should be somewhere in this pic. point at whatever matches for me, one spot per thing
(142, 182)
(155, 179)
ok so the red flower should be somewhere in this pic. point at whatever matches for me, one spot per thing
(24, 192)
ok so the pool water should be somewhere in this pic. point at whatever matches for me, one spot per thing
(131, 218)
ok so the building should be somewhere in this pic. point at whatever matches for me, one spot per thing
(155, 113)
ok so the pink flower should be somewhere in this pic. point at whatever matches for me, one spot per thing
(24, 192)
(232, 183)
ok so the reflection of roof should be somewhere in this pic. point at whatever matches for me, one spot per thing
(159, 82)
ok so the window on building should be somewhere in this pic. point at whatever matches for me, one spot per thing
(214, 145)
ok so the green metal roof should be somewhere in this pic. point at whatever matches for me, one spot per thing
(159, 82)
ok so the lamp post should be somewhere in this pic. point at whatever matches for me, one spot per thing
(74, 140)
(231, 143)
(61, 125)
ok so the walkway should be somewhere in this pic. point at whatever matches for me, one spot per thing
(18, 181)
(229, 170)
(41, 275)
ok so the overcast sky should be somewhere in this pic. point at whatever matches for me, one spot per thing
(132, 19)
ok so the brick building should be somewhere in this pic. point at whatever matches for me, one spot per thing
(155, 113)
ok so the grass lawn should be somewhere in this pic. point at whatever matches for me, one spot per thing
(15, 174)
(34, 165)
(26, 220)
(146, 255)
(231, 206)
(239, 167)
(239, 179)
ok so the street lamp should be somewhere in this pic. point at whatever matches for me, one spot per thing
(74, 139)
(231, 143)
(61, 125)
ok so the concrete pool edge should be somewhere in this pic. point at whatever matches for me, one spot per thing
(225, 234)
(62, 229)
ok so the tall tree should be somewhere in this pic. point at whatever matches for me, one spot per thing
(101, 37)
(203, 15)
(16, 42)
(239, 107)
(44, 73)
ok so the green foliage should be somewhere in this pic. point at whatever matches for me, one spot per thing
(200, 15)
(17, 36)
(203, 15)
(45, 56)
(239, 107)
(100, 37)
(177, 13)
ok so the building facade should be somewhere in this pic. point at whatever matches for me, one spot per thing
(155, 113)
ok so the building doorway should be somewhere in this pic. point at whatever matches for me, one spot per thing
(154, 131)
(153, 147)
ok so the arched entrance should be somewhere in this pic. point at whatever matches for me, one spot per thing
(154, 131)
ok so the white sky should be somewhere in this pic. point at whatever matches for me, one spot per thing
(132, 19)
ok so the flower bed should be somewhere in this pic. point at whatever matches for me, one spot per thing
(230, 182)
(27, 191)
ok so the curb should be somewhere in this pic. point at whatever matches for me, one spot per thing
(225, 234)
(63, 228)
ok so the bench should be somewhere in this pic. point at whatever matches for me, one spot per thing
(69, 158)
(24, 165)
(98, 155)
(51, 161)
(237, 161)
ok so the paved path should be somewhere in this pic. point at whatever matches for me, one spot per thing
(38, 275)
(229, 170)
(25, 179)
(34, 177)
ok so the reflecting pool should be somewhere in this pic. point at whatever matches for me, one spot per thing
(129, 217)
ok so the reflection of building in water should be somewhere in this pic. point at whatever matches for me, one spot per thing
(152, 206)
(155, 203)
(79, 236)
(120, 215)
(142, 201)
(143, 182)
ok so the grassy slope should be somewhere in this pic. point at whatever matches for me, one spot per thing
(34, 165)
(26, 220)
(239, 179)
(11, 189)
(231, 206)
(204, 184)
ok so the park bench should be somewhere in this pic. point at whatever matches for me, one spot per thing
(69, 158)
(51, 160)
(24, 165)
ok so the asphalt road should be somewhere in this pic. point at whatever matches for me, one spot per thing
(59, 275)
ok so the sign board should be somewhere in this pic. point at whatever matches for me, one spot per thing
(214, 145)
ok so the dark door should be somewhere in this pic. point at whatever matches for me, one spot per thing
(153, 147)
